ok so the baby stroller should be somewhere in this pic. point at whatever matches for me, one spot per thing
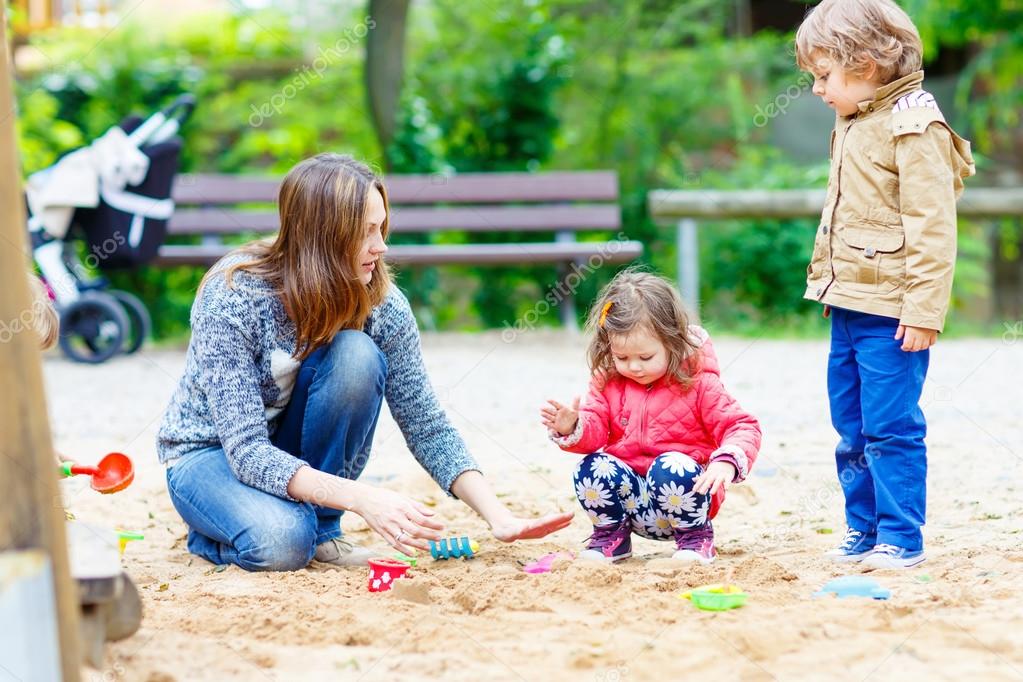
(113, 197)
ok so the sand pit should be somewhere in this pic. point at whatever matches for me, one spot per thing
(960, 614)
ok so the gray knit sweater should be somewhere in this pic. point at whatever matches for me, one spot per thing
(239, 374)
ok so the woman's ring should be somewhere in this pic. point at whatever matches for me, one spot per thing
(397, 538)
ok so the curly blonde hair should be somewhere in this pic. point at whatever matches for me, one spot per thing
(860, 35)
(640, 300)
(44, 316)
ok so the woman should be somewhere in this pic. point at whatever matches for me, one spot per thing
(295, 344)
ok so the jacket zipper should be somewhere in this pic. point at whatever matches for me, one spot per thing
(642, 419)
(831, 220)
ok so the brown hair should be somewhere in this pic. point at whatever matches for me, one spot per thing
(634, 300)
(44, 315)
(858, 34)
(313, 264)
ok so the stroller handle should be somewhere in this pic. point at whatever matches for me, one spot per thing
(180, 109)
(165, 123)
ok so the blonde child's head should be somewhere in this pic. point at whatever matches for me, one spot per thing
(44, 316)
(641, 330)
(869, 39)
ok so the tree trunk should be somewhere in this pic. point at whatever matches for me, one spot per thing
(385, 63)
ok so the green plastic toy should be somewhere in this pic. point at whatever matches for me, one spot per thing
(716, 597)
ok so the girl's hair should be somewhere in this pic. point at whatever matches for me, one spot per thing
(640, 300)
(44, 315)
(858, 34)
(314, 263)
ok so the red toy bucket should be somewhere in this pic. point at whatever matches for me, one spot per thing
(383, 573)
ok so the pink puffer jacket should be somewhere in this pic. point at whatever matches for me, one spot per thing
(637, 423)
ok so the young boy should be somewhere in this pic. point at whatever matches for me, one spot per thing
(882, 263)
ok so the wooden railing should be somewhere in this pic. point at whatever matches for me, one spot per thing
(688, 207)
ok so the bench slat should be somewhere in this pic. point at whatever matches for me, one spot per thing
(464, 188)
(439, 254)
(409, 219)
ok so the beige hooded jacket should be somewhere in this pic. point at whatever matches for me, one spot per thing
(886, 244)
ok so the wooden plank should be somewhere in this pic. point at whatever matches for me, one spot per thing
(30, 514)
(438, 254)
(976, 202)
(213, 188)
(465, 188)
(481, 188)
(411, 219)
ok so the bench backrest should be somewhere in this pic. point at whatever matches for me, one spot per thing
(472, 202)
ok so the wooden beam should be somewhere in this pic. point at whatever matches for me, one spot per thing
(976, 202)
(30, 514)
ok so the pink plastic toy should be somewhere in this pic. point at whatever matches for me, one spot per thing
(544, 563)
(383, 573)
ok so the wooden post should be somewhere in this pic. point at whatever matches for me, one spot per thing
(30, 512)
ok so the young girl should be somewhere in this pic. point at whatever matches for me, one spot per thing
(661, 435)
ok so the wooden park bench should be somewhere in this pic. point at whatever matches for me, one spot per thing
(562, 203)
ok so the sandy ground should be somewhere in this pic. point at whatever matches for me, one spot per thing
(960, 613)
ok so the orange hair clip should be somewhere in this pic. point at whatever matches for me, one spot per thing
(603, 313)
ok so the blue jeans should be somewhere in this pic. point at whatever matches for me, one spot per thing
(329, 422)
(609, 491)
(874, 388)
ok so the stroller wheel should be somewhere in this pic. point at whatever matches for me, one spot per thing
(93, 328)
(140, 324)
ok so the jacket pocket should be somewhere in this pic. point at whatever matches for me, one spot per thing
(870, 258)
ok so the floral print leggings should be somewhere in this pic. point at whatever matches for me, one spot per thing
(609, 490)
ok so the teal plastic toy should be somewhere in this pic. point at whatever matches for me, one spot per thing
(854, 586)
(454, 548)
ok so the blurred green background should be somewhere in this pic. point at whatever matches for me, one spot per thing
(668, 94)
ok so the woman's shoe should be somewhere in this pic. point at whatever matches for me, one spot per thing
(340, 552)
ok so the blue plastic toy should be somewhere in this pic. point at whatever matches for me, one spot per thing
(854, 586)
(449, 548)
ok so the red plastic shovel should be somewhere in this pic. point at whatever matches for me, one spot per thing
(114, 472)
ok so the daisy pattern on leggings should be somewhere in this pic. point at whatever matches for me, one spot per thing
(631, 505)
(644, 494)
(593, 493)
(675, 499)
(603, 467)
(599, 519)
(657, 523)
(679, 464)
(699, 517)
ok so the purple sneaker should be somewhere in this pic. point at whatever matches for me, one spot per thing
(609, 543)
(695, 544)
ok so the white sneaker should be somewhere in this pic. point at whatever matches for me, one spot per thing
(890, 556)
(692, 556)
